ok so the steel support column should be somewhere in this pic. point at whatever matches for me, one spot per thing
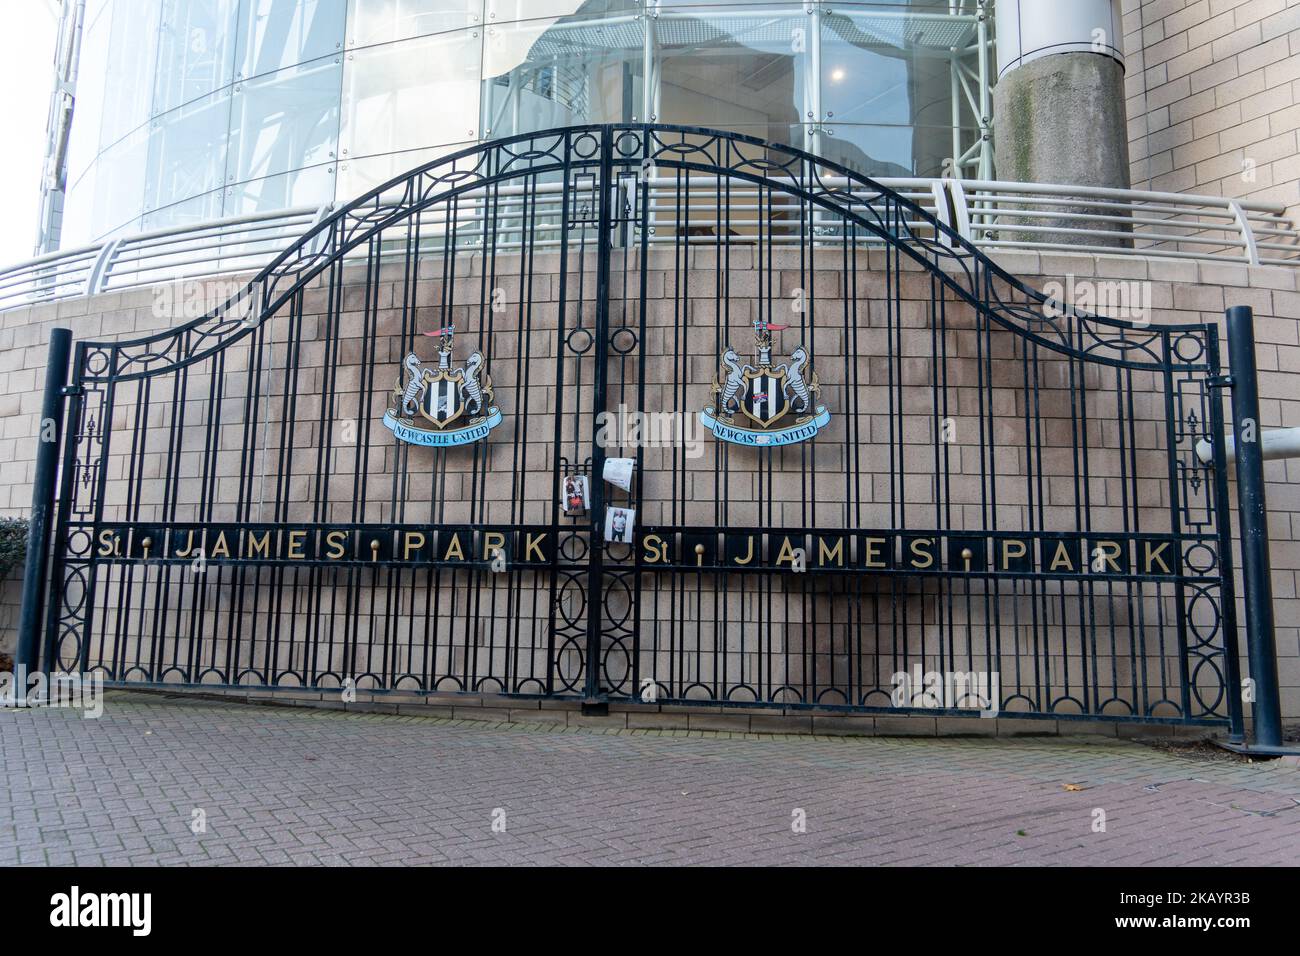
(1258, 590)
(49, 438)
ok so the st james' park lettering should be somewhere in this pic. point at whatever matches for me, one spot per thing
(657, 548)
(322, 544)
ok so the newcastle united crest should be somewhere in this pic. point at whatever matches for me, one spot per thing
(440, 405)
(762, 404)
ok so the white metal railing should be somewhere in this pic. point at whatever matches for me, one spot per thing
(1002, 214)
(219, 247)
(992, 215)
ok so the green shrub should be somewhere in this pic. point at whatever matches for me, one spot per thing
(13, 544)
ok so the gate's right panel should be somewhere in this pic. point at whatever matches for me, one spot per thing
(860, 484)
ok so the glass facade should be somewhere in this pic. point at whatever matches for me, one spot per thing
(190, 110)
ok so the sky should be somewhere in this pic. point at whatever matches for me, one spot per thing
(26, 74)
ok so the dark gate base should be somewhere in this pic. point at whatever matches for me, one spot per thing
(1261, 751)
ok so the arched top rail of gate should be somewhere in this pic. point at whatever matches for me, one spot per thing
(860, 203)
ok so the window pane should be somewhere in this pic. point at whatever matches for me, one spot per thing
(510, 11)
(274, 34)
(410, 94)
(284, 120)
(88, 116)
(380, 21)
(359, 176)
(886, 90)
(94, 10)
(194, 210)
(883, 151)
(546, 73)
(313, 186)
(196, 50)
(120, 173)
(132, 55)
(187, 151)
(79, 210)
(729, 69)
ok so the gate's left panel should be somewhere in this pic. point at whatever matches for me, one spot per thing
(360, 485)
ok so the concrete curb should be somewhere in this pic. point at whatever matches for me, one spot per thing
(497, 710)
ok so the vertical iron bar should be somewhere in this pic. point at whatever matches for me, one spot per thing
(49, 437)
(1223, 528)
(1251, 502)
(596, 570)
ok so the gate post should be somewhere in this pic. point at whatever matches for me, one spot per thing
(1260, 645)
(49, 437)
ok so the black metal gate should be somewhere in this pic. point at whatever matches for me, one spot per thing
(1001, 508)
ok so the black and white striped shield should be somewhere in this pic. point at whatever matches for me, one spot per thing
(442, 399)
(765, 400)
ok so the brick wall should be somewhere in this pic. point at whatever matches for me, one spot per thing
(1213, 91)
(1180, 292)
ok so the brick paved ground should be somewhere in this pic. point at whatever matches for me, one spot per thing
(301, 786)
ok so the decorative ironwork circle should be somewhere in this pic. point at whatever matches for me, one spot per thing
(628, 143)
(1201, 558)
(623, 349)
(573, 547)
(97, 362)
(586, 145)
(579, 335)
(79, 543)
(1189, 348)
(618, 550)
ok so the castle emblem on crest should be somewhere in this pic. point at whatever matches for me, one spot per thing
(764, 404)
(439, 405)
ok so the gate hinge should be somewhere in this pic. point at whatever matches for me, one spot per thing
(69, 391)
(1219, 381)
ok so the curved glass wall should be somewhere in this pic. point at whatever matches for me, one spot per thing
(190, 110)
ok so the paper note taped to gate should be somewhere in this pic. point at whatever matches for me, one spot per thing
(618, 472)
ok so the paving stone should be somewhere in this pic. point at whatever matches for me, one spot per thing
(494, 714)
(295, 786)
(611, 721)
(966, 727)
(734, 723)
(843, 724)
(1022, 726)
(905, 726)
(778, 724)
(656, 720)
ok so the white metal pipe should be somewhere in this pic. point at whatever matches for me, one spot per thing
(1003, 205)
(1109, 192)
(1274, 443)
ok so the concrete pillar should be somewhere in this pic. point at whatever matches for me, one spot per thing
(1058, 107)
